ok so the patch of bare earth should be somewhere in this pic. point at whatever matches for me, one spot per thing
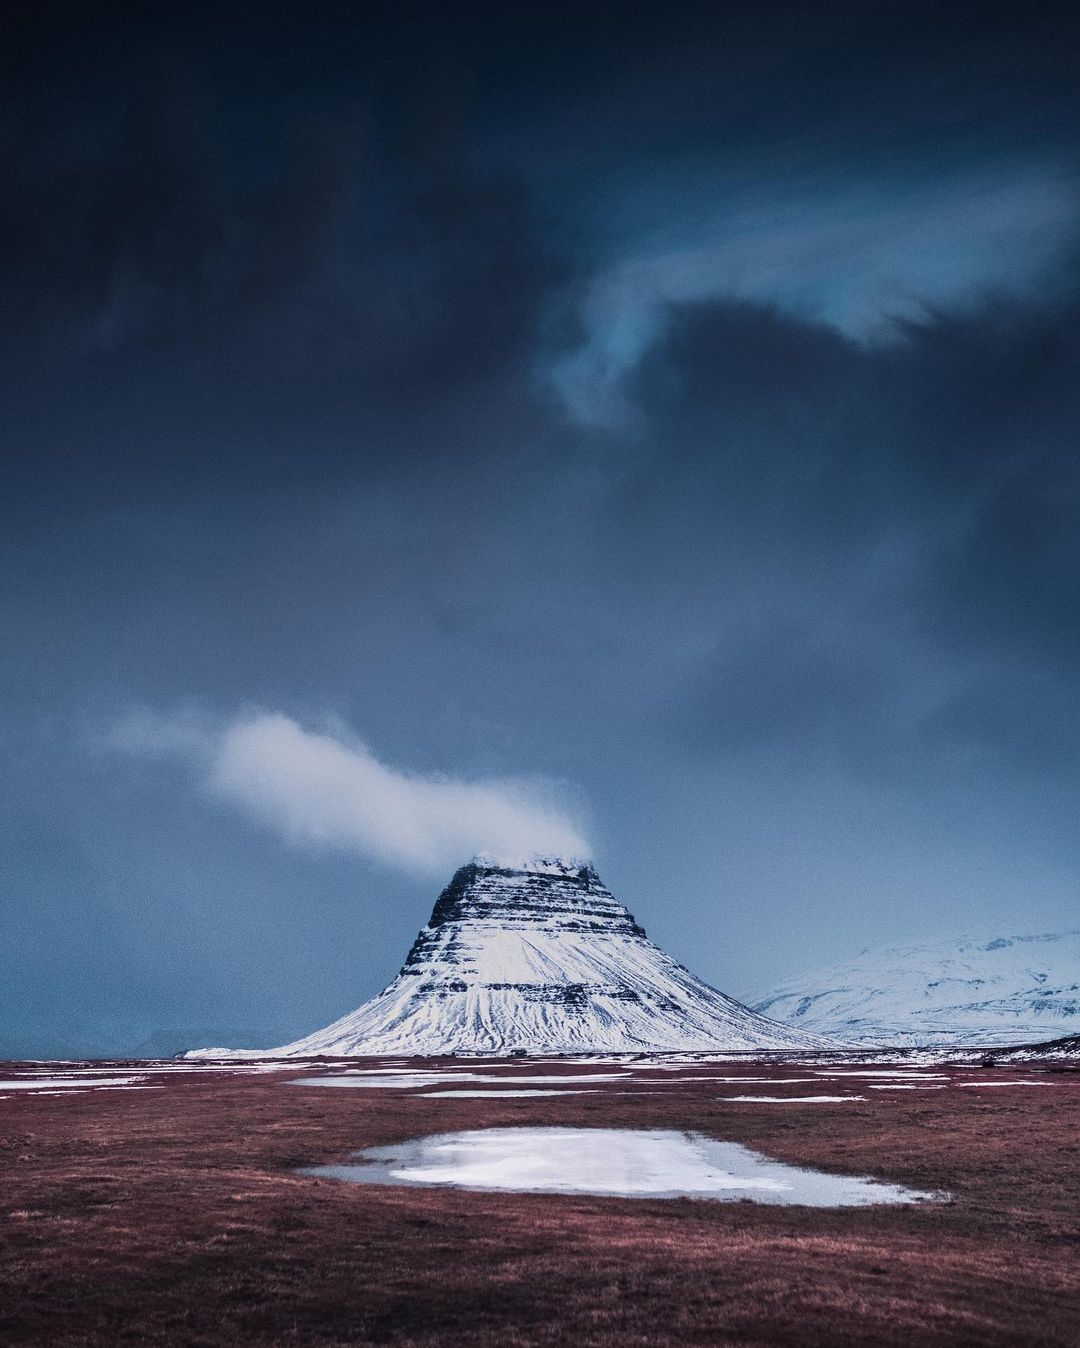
(175, 1216)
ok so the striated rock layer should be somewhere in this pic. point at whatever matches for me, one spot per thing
(540, 957)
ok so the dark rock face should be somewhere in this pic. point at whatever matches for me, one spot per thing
(568, 899)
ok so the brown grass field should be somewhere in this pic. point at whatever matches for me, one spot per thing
(175, 1216)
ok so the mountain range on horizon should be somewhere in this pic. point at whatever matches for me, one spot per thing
(989, 990)
(539, 957)
(536, 956)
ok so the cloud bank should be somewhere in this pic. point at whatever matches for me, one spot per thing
(327, 790)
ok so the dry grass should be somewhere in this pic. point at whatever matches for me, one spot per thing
(174, 1216)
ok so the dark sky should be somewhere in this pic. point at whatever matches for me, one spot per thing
(672, 409)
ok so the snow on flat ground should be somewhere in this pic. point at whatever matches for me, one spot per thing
(470, 1078)
(403, 1081)
(66, 1078)
(236, 1067)
(413, 1080)
(789, 1099)
(67, 1083)
(906, 1086)
(497, 1094)
(511, 1077)
(839, 1072)
(623, 1162)
(769, 1081)
(1003, 1083)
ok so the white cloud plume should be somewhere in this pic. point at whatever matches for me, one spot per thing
(329, 790)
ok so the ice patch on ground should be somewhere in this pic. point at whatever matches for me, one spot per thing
(66, 1083)
(789, 1099)
(967, 1084)
(415, 1080)
(838, 1073)
(629, 1163)
(405, 1081)
(496, 1094)
(906, 1086)
(757, 1081)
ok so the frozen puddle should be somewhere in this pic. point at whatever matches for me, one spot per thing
(620, 1162)
(969, 1084)
(496, 1094)
(908, 1086)
(839, 1074)
(408, 1081)
(757, 1081)
(56, 1085)
(789, 1099)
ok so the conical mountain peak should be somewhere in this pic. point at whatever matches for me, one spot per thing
(539, 956)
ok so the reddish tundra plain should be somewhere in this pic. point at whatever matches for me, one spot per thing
(168, 1209)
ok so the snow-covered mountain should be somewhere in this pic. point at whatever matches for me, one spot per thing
(538, 956)
(997, 990)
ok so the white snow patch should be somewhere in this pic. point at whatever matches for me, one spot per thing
(45, 1083)
(406, 1081)
(414, 1080)
(906, 1086)
(137, 1086)
(838, 1074)
(634, 1163)
(496, 1094)
(233, 1067)
(966, 1084)
(757, 1081)
(789, 1099)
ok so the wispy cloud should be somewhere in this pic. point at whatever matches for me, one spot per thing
(328, 790)
(857, 257)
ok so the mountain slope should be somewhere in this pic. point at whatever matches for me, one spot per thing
(1002, 990)
(540, 957)
(1056, 1051)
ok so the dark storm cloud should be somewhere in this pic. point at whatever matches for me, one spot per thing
(220, 241)
(783, 687)
(1002, 425)
(124, 231)
(299, 289)
(287, 304)
(911, 511)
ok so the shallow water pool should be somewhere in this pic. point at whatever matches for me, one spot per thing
(622, 1162)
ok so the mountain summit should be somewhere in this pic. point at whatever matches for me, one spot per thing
(538, 956)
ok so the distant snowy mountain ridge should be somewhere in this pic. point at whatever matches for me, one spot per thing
(993, 990)
(539, 957)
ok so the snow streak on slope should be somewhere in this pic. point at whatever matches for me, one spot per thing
(540, 958)
(1006, 990)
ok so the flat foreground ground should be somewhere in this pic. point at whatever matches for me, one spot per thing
(173, 1214)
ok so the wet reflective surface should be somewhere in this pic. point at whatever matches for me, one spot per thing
(628, 1163)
